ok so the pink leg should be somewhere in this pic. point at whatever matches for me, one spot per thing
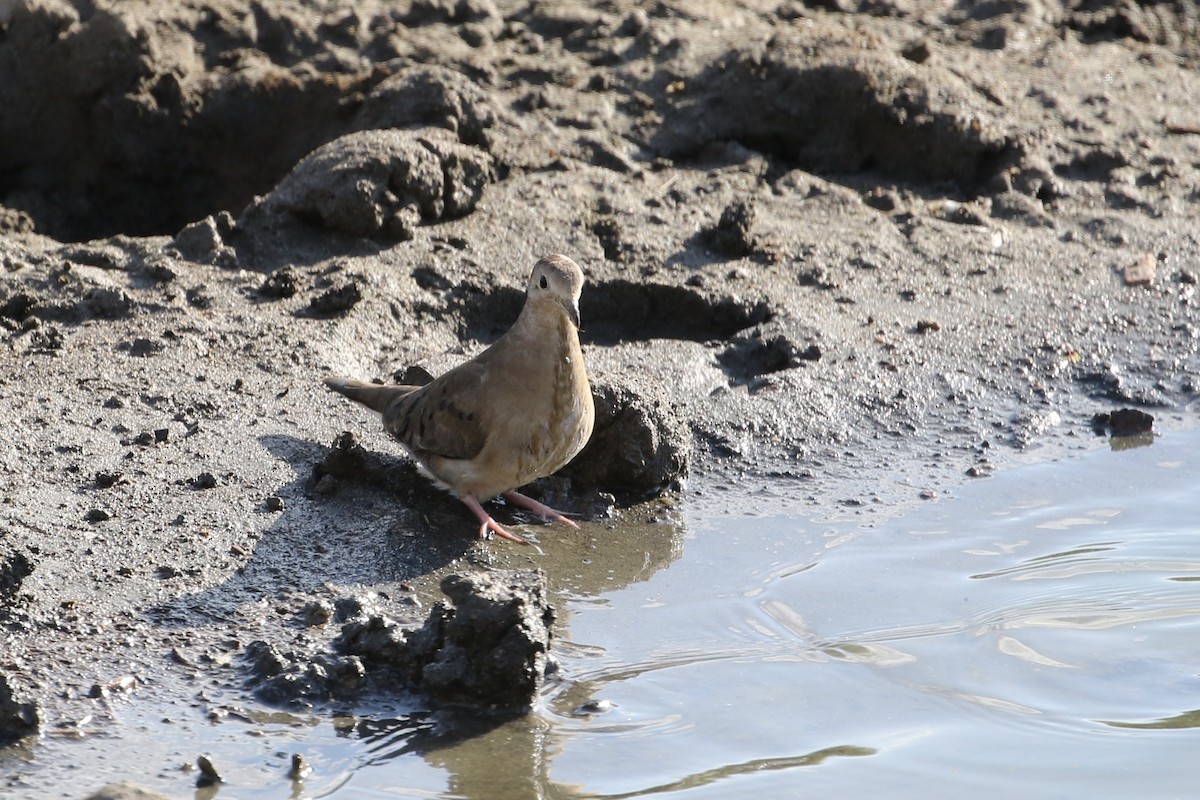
(488, 524)
(541, 509)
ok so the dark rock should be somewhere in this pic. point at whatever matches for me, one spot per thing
(383, 643)
(17, 306)
(283, 282)
(20, 715)
(107, 480)
(413, 375)
(496, 640)
(208, 773)
(203, 481)
(15, 567)
(490, 650)
(917, 52)
(336, 301)
(731, 235)
(608, 232)
(639, 447)
(1124, 422)
(348, 460)
(97, 515)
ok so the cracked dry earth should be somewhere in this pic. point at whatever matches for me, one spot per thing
(841, 255)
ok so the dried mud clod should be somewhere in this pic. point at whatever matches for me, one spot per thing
(731, 235)
(488, 649)
(380, 183)
(639, 447)
(20, 715)
(834, 107)
(1124, 422)
(496, 641)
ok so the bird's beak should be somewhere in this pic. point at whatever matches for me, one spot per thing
(573, 313)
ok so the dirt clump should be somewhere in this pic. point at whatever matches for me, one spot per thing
(831, 249)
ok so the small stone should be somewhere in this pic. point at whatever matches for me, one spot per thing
(336, 301)
(205, 480)
(106, 480)
(731, 235)
(1124, 422)
(281, 283)
(97, 515)
(1141, 272)
(593, 707)
(317, 612)
(208, 772)
(300, 768)
(275, 503)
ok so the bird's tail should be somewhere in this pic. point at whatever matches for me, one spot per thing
(374, 396)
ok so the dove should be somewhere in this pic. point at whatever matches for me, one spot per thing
(518, 411)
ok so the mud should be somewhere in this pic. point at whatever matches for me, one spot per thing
(839, 254)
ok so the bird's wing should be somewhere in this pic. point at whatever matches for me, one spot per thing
(443, 418)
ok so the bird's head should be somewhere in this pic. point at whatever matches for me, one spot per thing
(558, 279)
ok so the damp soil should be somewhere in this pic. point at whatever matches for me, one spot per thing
(858, 253)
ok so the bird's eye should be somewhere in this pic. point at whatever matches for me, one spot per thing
(542, 283)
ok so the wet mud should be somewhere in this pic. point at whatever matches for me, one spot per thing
(837, 253)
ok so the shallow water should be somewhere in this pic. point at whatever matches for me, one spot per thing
(1036, 635)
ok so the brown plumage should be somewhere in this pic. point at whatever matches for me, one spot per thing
(518, 411)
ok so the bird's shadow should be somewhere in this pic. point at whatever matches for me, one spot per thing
(377, 522)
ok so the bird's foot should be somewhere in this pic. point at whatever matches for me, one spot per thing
(487, 523)
(541, 509)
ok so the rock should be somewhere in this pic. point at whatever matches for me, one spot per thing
(731, 235)
(209, 776)
(107, 302)
(639, 447)
(381, 183)
(489, 651)
(202, 241)
(496, 640)
(1124, 422)
(15, 567)
(335, 301)
(290, 679)
(317, 612)
(282, 283)
(1141, 272)
(20, 715)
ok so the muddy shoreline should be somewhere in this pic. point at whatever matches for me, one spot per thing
(838, 255)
